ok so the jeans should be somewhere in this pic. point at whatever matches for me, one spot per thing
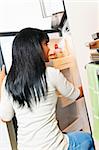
(80, 140)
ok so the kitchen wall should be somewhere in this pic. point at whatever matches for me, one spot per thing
(17, 14)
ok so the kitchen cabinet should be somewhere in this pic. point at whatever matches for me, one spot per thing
(71, 115)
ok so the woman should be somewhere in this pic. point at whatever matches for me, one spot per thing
(29, 91)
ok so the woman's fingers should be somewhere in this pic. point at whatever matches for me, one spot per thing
(2, 73)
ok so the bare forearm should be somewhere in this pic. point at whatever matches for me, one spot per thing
(2, 75)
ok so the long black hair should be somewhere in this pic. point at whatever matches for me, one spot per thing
(27, 76)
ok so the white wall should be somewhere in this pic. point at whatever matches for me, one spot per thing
(83, 19)
(15, 15)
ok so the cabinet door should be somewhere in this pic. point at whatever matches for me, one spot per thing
(66, 112)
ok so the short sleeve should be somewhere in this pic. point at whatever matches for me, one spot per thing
(6, 109)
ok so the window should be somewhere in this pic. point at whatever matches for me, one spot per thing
(49, 7)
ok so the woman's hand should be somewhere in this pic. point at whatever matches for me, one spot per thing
(2, 75)
(81, 92)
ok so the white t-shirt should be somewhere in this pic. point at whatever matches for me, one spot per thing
(38, 129)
